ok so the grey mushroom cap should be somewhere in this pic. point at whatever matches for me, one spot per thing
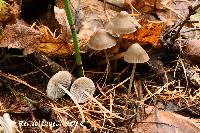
(53, 90)
(136, 54)
(123, 23)
(101, 40)
(79, 86)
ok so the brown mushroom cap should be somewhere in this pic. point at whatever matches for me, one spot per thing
(53, 90)
(101, 40)
(136, 54)
(79, 86)
(123, 23)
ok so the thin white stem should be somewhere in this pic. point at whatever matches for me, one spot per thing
(72, 97)
(131, 81)
(108, 67)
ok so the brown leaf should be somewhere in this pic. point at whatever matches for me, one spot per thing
(51, 46)
(192, 51)
(8, 13)
(148, 34)
(166, 122)
(20, 36)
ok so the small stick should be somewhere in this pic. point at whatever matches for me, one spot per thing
(101, 106)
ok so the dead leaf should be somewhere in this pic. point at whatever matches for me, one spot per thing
(55, 49)
(60, 16)
(148, 34)
(192, 51)
(147, 5)
(8, 13)
(51, 46)
(166, 122)
(20, 36)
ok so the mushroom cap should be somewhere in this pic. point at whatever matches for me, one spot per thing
(53, 90)
(136, 54)
(6, 124)
(123, 23)
(79, 86)
(101, 40)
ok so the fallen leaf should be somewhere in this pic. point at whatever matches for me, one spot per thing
(147, 5)
(148, 34)
(51, 46)
(166, 122)
(192, 51)
(20, 36)
(8, 13)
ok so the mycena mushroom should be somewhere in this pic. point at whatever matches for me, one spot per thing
(102, 40)
(135, 54)
(122, 24)
(53, 90)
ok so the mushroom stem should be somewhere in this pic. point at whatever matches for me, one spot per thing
(78, 106)
(117, 48)
(131, 81)
(117, 56)
(114, 57)
(108, 68)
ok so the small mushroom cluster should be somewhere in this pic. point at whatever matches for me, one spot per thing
(59, 84)
(82, 89)
(121, 24)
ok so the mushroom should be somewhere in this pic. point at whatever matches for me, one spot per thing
(53, 90)
(79, 86)
(102, 40)
(81, 90)
(135, 54)
(123, 23)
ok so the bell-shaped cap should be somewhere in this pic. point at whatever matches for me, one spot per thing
(79, 86)
(101, 40)
(53, 90)
(136, 54)
(123, 23)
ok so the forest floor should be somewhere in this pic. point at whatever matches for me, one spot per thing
(36, 43)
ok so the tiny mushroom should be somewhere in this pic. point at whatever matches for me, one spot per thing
(53, 90)
(123, 23)
(79, 87)
(135, 54)
(101, 40)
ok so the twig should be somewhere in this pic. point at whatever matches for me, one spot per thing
(192, 10)
(14, 78)
(102, 107)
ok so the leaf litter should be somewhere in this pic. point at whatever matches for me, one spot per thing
(171, 76)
